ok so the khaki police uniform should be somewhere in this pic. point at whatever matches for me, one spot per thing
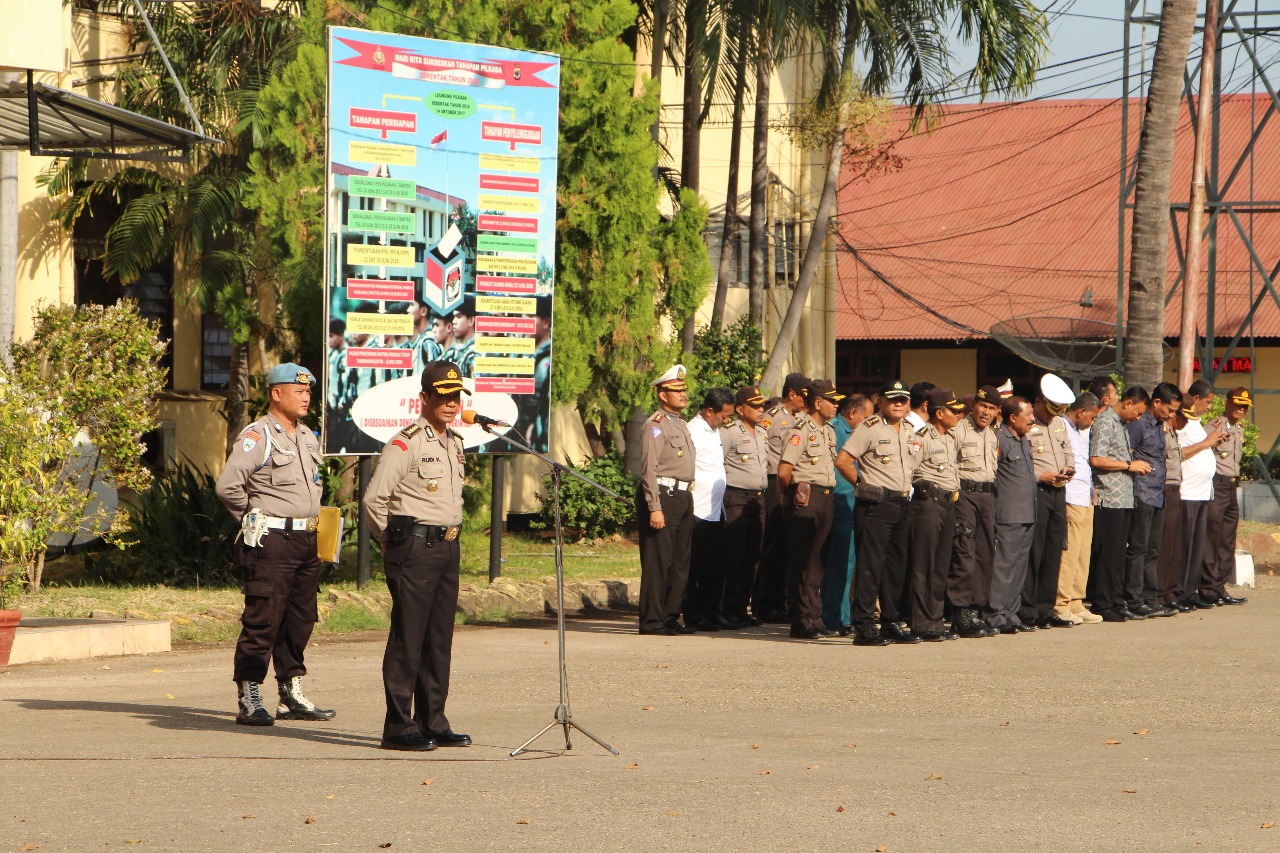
(667, 467)
(887, 456)
(1223, 512)
(1172, 555)
(969, 581)
(810, 450)
(770, 593)
(746, 468)
(1050, 451)
(275, 474)
(414, 507)
(931, 526)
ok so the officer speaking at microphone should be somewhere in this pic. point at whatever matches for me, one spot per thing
(414, 506)
(271, 484)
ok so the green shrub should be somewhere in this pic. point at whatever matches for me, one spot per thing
(584, 512)
(183, 535)
(725, 359)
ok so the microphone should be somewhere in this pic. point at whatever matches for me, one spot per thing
(471, 416)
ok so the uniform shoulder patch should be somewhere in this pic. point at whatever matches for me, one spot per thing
(795, 439)
(411, 430)
(922, 430)
(768, 423)
(871, 421)
(395, 442)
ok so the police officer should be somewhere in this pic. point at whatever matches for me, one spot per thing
(1054, 464)
(879, 459)
(806, 480)
(931, 516)
(969, 582)
(665, 508)
(271, 484)
(769, 601)
(746, 467)
(414, 507)
(1224, 509)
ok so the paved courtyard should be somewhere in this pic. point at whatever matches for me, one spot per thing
(1161, 735)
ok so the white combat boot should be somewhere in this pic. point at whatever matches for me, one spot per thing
(252, 712)
(294, 705)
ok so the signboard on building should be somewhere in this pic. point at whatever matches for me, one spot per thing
(440, 216)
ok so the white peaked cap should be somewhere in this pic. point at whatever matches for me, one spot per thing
(674, 376)
(1056, 391)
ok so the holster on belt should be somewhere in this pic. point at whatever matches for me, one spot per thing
(399, 528)
(803, 490)
(869, 493)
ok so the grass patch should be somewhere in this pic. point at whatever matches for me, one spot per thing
(347, 618)
(492, 616)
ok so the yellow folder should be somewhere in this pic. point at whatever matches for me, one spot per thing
(329, 534)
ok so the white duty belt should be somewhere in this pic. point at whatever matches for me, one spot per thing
(673, 483)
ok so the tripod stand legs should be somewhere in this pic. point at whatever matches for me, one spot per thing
(563, 717)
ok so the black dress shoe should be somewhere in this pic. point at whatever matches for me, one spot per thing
(754, 622)
(1131, 616)
(869, 636)
(661, 631)
(449, 737)
(932, 636)
(411, 742)
(778, 617)
(706, 625)
(1204, 603)
(899, 632)
(1007, 629)
(1056, 621)
(844, 630)
(1120, 615)
(1184, 606)
(684, 629)
(825, 631)
(1228, 599)
(734, 623)
(1023, 628)
(805, 634)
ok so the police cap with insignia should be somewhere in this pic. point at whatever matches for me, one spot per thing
(795, 382)
(942, 398)
(290, 374)
(749, 396)
(823, 388)
(987, 394)
(672, 380)
(1240, 396)
(895, 390)
(442, 377)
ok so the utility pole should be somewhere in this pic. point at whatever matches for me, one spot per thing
(1195, 212)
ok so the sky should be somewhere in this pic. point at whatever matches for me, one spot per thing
(1086, 58)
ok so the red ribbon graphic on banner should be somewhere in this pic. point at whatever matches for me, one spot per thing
(483, 73)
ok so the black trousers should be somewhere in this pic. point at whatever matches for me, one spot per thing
(1106, 571)
(281, 578)
(880, 529)
(423, 579)
(705, 587)
(664, 558)
(807, 529)
(1169, 563)
(1146, 533)
(770, 591)
(1220, 539)
(1195, 518)
(1040, 589)
(973, 554)
(743, 532)
(931, 528)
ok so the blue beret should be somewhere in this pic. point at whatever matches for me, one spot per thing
(290, 374)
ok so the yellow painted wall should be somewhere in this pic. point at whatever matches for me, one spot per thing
(954, 368)
(1266, 374)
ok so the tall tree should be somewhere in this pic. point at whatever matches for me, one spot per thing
(224, 53)
(904, 39)
(1149, 246)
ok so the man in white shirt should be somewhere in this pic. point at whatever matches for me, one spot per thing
(1073, 573)
(706, 582)
(1198, 468)
(919, 414)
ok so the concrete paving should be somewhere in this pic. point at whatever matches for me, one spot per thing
(1161, 735)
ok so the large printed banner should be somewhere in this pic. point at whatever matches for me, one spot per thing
(440, 216)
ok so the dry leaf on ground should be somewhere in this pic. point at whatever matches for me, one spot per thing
(523, 822)
(766, 772)
(1271, 824)
(309, 820)
(1131, 790)
(755, 746)
(1143, 732)
(850, 745)
(133, 841)
(1004, 725)
(839, 808)
(664, 666)
(28, 847)
(384, 846)
(646, 708)
(893, 814)
(814, 766)
(168, 695)
(933, 777)
(328, 796)
(157, 670)
(881, 849)
(249, 817)
(633, 766)
(1111, 742)
(431, 781)
(675, 814)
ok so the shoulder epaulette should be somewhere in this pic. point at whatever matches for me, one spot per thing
(871, 421)
(774, 410)
(922, 430)
(657, 417)
(411, 430)
(453, 433)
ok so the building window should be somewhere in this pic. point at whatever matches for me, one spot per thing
(863, 367)
(215, 353)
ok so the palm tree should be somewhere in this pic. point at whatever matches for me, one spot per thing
(903, 39)
(226, 52)
(1149, 247)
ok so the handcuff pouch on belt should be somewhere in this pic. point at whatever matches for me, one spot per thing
(869, 493)
(399, 528)
(253, 527)
(803, 490)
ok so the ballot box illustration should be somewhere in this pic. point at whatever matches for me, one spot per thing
(442, 282)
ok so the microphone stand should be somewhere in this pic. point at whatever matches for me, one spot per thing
(563, 716)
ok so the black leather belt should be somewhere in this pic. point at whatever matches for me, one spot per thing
(977, 487)
(740, 490)
(896, 497)
(932, 491)
(1223, 478)
(815, 490)
(435, 532)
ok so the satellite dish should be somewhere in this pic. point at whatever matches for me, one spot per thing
(1072, 346)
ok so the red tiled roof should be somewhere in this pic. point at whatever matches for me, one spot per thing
(1010, 209)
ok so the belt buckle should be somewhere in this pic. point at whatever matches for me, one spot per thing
(954, 496)
(312, 524)
(451, 533)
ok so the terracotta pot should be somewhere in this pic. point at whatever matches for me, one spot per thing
(8, 626)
